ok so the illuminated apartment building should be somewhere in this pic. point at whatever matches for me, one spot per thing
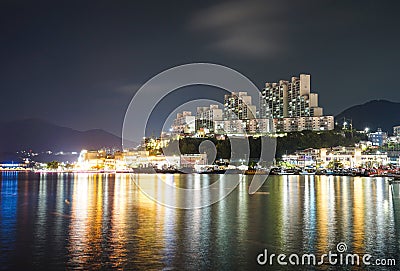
(205, 117)
(293, 107)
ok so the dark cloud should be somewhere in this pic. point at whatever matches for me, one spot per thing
(240, 29)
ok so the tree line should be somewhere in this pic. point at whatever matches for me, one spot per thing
(285, 145)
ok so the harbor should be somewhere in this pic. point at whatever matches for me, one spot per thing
(100, 221)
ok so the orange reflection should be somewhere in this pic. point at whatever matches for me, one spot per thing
(86, 215)
(136, 214)
(358, 215)
(322, 202)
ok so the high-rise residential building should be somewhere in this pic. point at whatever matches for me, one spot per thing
(290, 99)
(205, 117)
(292, 106)
(184, 123)
(274, 100)
(238, 105)
(239, 116)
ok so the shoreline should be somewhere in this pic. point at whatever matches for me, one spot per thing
(247, 172)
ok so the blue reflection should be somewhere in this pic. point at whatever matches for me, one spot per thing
(8, 213)
(310, 217)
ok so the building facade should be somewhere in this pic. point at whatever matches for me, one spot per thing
(322, 123)
(230, 126)
(240, 116)
(184, 123)
(378, 138)
(238, 106)
(293, 107)
(205, 117)
(348, 157)
(250, 126)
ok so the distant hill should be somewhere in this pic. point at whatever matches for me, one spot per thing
(374, 114)
(39, 136)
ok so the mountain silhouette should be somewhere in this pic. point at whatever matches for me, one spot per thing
(39, 135)
(374, 114)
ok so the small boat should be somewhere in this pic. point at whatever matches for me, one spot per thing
(394, 181)
(329, 172)
(283, 171)
(209, 169)
(394, 176)
(256, 172)
(234, 171)
(167, 171)
(144, 170)
(307, 171)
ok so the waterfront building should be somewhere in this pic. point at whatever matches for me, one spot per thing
(170, 161)
(91, 160)
(293, 107)
(205, 117)
(128, 159)
(353, 157)
(184, 123)
(303, 158)
(378, 138)
(348, 157)
(191, 160)
(14, 166)
(101, 160)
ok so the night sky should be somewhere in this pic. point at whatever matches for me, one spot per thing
(79, 63)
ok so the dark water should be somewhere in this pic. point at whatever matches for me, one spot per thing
(87, 222)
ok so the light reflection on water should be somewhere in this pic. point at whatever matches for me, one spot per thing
(100, 221)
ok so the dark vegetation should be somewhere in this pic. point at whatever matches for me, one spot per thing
(308, 139)
(285, 145)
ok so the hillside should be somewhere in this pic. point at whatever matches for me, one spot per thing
(39, 135)
(374, 114)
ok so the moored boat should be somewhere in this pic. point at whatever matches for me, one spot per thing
(394, 181)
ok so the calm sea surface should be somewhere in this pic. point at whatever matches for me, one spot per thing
(101, 221)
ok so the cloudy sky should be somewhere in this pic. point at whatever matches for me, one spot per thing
(79, 63)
